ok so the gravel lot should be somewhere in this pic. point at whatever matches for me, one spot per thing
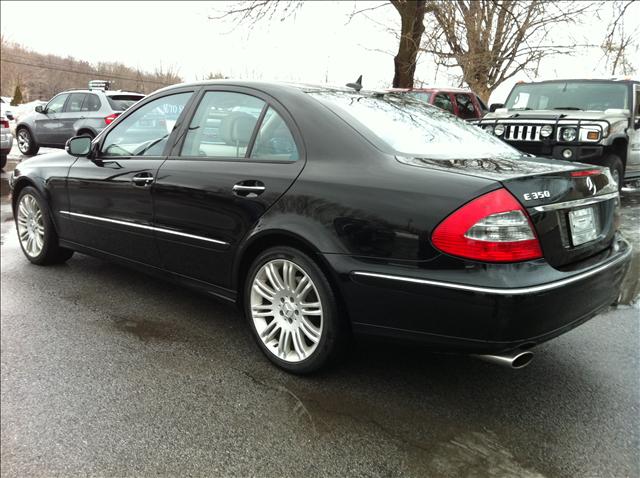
(108, 372)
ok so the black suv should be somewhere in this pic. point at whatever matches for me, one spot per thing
(72, 113)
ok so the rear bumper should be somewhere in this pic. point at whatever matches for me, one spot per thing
(477, 317)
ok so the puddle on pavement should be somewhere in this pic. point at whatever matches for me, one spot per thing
(144, 329)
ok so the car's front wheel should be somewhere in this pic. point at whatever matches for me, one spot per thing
(37, 235)
(26, 142)
(292, 310)
(614, 163)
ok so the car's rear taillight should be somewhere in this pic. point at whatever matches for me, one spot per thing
(491, 228)
(4, 123)
(109, 119)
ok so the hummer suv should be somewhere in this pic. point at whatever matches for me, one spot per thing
(72, 113)
(589, 121)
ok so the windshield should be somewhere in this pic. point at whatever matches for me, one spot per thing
(413, 128)
(576, 95)
(122, 102)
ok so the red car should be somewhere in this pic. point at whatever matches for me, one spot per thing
(463, 103)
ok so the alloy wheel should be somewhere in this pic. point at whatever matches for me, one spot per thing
(24, 141)
(286, 310)
(30, 225)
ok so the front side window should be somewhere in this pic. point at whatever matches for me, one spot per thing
(74, 105)
(57, 103)
(465, 106)
(443, 101)
(413, 128)
(145, 132)
(223, 125)
(274, 141)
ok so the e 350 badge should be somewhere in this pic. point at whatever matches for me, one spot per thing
(536, 195)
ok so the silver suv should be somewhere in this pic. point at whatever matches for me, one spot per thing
(72, 113)
(590, 121)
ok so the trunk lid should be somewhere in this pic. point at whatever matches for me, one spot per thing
(573, 206)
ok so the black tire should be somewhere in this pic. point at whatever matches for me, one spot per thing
(3, 161)
(334, 332)
(614, 163)
(26, 142)
(51, 252)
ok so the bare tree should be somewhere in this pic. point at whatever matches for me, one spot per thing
(411, 12)
(494, 40)
(618, 43)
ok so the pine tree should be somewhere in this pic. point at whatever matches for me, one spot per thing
(17, 96)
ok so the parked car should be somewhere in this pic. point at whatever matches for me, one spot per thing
(71, 113)
(591, 121)
(6, 141)
(334, 212)
(463, 103)
(6, 110)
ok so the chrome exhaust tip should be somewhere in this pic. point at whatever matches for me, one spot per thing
(515, 360)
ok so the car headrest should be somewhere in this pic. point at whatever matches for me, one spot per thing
(236, 128)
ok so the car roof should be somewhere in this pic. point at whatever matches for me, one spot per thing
(431, 89)
(274, 87)
(107, 92)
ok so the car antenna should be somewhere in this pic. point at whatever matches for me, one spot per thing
(357, 85)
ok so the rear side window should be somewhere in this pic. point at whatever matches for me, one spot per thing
(91, 103)
(223, 125)
(465, 106)
(122, 102)
(421, 95)
(74, 105)
(443, 101)
(274, 141)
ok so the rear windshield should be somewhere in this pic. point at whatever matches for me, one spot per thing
(414, 128)
(122, 102)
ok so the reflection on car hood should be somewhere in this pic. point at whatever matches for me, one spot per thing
(492, 168)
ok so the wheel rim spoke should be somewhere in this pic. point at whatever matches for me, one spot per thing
(286, 310)
(30, 225)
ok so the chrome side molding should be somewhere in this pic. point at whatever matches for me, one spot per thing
(143, 226)
(500, 291)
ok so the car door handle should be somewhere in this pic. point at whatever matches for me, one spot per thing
(247, 188)
(142, 179)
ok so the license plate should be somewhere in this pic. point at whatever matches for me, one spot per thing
(583, 225)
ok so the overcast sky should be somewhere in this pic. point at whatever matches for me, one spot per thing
(318, 44)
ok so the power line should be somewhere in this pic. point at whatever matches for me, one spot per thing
(88, 73)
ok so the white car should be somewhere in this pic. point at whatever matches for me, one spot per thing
(6, 110)
(6, 140)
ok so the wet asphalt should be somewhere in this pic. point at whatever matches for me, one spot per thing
(109, 372)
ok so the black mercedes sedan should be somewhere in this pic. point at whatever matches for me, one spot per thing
(326, 213)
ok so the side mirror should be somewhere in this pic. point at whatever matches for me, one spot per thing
(40, 109)
(495, 106)
(78, 146)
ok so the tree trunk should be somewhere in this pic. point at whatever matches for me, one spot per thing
(412, 21)
(480, 88)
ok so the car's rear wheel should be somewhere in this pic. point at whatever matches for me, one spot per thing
(26, 143)
(37, 235)
(292, 310)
